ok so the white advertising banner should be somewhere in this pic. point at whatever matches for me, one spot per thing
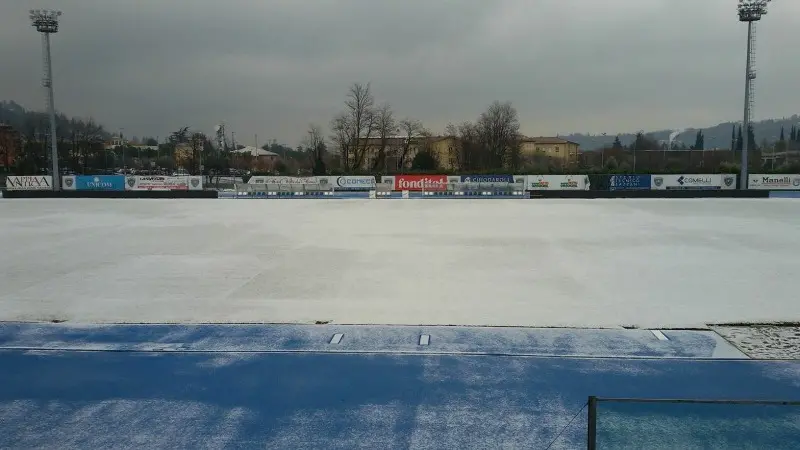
(352, 182)
(287, 180)
(774, 182)
(557, 183)
(68, 183)
(707, 181)
(29, 183)
(163, 183)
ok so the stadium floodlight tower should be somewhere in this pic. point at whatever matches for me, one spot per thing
(46, 22)
(750, 11)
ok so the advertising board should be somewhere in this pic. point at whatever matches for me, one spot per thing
(93, 182)
(630, 182)
(557, 183)
(287, 180)
(487, 179)
(420, 182)
(352, 182)
(707, 181)
(774, 182)
(29, 182)
(163, 183)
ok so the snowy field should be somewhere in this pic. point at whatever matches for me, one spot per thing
(647, 263)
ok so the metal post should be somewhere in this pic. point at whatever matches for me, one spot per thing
(122, 145)
(48, 85)
(746, 127)
(46, 22)
(591, 438)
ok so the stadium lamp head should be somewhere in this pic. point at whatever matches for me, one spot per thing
(45, 20)
(752, 10)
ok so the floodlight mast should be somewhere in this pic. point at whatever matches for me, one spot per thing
(750, 11)
(46, 22)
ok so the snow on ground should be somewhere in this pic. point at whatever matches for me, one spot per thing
(648, 263)
(764, 341)
(370, 339)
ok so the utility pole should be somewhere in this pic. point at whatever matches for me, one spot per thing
(750, 11)
(46, 22)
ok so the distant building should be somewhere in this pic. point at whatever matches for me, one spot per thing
(445, 151)
(257, 153)
(10, 146)
(254, 158)
(119, 141)
(561, 150)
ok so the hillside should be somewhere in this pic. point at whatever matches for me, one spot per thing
(33, 123)
(718, 136)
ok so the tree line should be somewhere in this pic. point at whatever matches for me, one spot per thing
(366, 136)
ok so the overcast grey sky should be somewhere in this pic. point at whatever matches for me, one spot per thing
(272, 66)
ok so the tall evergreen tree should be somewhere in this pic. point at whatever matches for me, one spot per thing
(782, 138)
(740, 140)
(617, 145)
(751, 138)
(733, 138)
(699, 141)
(793, 134)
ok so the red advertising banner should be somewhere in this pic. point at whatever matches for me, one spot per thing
(420, 182)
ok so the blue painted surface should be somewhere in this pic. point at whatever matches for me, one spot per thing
(717, 425)
(100, 182)
(630, 182)
(60, 399)
(368, 338)
(784, 194)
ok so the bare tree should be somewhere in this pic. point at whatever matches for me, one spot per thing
(492, 142)
(87, 141)
(467, 149)
(355, 126)
(315, 143)
(498, 128)
(197, 143)
(413, 134)
(386, 128)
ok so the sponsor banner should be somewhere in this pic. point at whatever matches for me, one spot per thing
(388, 180)
(29, 183)
(420, 182)
(68, 182)
(557, 183)
(93, 183)
(487, 179)
(492, 180)
(707, 181)
(774, 182)
(163, 183)
(351, 182)
(287, 180)
(630, 182)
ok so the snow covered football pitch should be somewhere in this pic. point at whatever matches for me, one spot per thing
(588, 263)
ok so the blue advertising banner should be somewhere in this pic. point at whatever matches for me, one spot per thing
(630, 183)
(487, 179)
(100, 182)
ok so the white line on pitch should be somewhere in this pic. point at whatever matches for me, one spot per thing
(337, 338)
(424, 339)
(659, 335)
